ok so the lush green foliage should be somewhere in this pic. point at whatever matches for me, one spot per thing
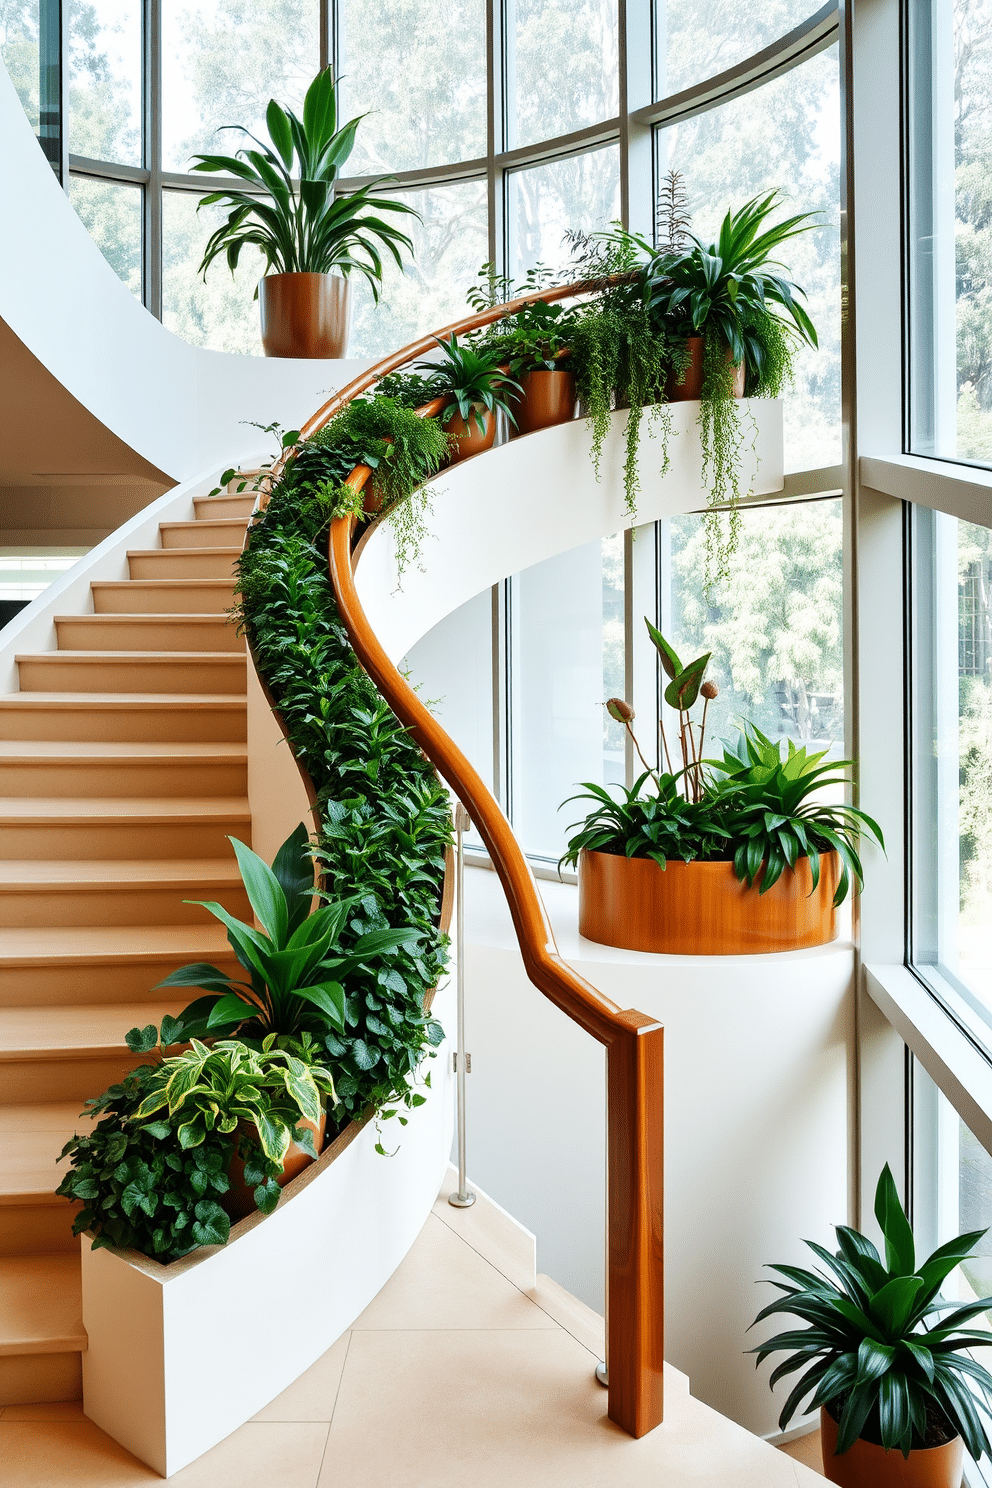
(751, 807)
(139, 1188)
(471, 376)
(384, 817)
(304, 229)
(877, 1352)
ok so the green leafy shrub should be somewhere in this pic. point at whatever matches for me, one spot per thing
(384, 816)
(876, 1352)
(139, 1188)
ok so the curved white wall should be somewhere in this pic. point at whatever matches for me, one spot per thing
(180, 407)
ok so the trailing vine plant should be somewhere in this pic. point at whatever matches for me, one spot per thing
(384, 820)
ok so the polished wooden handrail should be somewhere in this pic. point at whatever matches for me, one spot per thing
(634, 1043)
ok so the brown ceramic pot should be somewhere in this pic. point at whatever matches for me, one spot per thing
(470, 440)
(305, 315)
(239, 1199)
(548, 399)
(691, 386)
(703, 909)
(866, 1465)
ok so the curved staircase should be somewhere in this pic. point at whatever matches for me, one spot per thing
(123, 769)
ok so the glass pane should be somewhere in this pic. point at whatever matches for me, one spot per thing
(786, 134)
(111, 213)
(567, 658)
(221, 313)
(952, 790)
(419, 72)
(952, 1192)
(950, 141)
(581, 193)
(222, 61)
(562, 67)
(775, 628)
(450, 245)
(687, 52)
(19, 52)
(104, 79)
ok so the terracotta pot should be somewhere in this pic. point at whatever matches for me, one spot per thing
(691, 386)
(239, 1199)
(548, 399)
(867, 1465)
(703, 909)
(305, 315)
(470, 441)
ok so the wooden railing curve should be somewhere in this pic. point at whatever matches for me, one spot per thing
(634, 1042)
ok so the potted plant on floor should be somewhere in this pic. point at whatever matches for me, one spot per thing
(715, 857)
(476, 386)
(886, 1360)
(312, 239)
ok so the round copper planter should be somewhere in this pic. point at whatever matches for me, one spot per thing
(239, 1199)
(866, 1465)
(548, 399)
(470, 440)
(703, 909)
(691, 386)
(305, 315)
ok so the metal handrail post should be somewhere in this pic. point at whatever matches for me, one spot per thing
(462, 1198)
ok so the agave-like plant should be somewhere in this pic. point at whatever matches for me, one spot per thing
(725, 286)
(474, 379)
(292, 212)
(877, 1352)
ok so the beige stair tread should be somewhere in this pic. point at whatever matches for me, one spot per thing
(46, 749)
(146, 584)
(161, 617)
(31, 1138)
(41, 1306)
(193, 658)
(218, 521)
(90, 945)
(183, 701)
(174, 552)
(101, 873)
(105, 809)
(78, 1032)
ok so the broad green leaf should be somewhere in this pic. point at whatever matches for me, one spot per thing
(900, 1252)
(264, 892)
(328, 997)
(669, 659)
(229, 1010)
(892, 1307)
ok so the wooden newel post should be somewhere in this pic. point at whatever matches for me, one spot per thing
(635, 1246)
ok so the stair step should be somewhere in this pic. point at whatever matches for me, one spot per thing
(132, 671)
(207, 531)
(60, 1054)
(91, 827)
(207, 507)
(147, 633)
(36, 893)
(33, 1219)
(162, 596)
(183, 563)
(66, 966)
(41, 1329)
(110, 769)
(161, 717)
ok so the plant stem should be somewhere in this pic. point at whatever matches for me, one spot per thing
(702, 736)
(683, 725)
(644, 762)
(668, 757)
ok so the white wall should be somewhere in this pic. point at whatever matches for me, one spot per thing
(758, 1056)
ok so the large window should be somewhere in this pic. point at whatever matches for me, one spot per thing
(950, 158)
(503, 139)
(952, 761)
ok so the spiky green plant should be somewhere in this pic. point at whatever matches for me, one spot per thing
(877, 1352)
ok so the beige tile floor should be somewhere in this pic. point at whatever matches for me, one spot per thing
(457, 1373)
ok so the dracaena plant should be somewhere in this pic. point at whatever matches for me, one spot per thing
(474, 380)
(881, 1350)
(293, 967)
(291, 212)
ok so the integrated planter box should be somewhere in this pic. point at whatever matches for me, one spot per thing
(703, 909)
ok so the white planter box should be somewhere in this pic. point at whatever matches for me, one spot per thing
(180, 1356)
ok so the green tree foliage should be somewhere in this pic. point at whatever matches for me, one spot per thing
(973, 224)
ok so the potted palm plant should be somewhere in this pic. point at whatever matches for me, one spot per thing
(884, 1357)
(311, 238)
(715, 857)
(477, 386)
